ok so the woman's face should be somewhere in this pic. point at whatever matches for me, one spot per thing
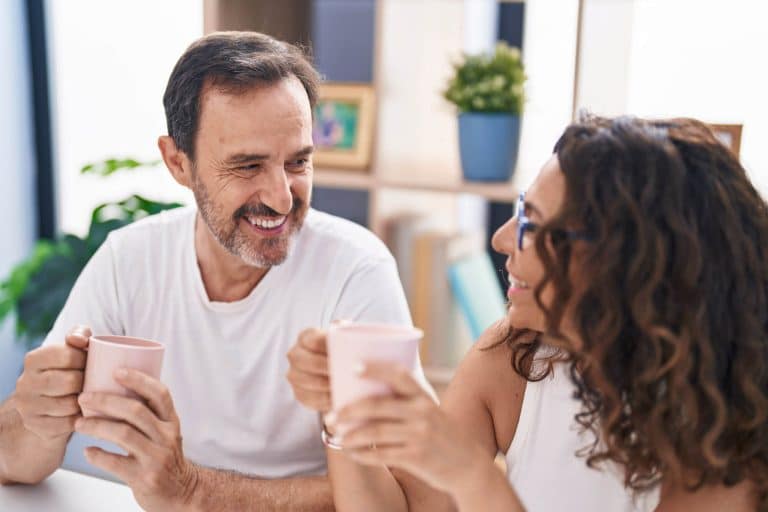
(542, 201)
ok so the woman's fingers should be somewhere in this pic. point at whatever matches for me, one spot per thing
(386, 407)
(379, 434)
(390, 456)
(395, 376)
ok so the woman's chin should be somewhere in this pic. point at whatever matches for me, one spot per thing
(524, 317)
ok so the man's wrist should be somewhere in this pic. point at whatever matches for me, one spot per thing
(192, 497)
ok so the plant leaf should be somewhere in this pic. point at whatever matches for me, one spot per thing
(113, 165)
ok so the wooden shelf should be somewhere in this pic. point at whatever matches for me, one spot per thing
(502, 192)
(357, 180)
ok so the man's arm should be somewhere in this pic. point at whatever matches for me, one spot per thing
(227, 491)
(36, 422)
(158, 473)
(24, 457)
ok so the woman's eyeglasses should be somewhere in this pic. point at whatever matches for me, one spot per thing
(524, 225)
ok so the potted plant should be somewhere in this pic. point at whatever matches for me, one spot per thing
(36, 289)
(488, 91)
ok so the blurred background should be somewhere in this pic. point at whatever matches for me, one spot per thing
(81, 90)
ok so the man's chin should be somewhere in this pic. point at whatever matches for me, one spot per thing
(265, 257)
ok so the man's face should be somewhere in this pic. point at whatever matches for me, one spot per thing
(252, 176)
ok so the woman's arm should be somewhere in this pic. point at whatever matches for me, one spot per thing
(452, 448)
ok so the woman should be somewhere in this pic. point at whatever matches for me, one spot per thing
(638, 268)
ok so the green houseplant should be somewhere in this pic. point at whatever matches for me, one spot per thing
(36, 289)
(487, 89)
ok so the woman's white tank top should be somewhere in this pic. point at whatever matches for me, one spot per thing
(542, 465)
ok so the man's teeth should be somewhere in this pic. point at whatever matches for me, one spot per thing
(269, 223)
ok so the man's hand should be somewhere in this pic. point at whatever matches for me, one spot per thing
(46, 392)
(155, 468)
(308, 372)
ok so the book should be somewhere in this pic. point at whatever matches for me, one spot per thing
(400, 232)
(434, 307)
(477, 290)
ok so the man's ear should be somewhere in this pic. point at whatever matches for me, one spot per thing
(175, 160)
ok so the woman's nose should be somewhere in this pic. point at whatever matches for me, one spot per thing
(504, 241)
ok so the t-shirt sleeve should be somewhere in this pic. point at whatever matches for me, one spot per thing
(93, 301)
(375, 294)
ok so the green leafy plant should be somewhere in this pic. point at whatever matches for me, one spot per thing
(37, 288)
(488, 83)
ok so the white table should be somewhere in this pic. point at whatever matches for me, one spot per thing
(66, 491)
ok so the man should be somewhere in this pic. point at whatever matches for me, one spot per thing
(227, 287)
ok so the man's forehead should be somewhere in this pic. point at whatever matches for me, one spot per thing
(254, 121)
(286, 93)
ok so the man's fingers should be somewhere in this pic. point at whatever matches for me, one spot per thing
(122, 434)
(308, 381)
(310, 362)
(58, 382)
(59, 357)
(129, 410)
(57, 407)
(121, 466)
(50, 427)
(78, 337)
(313, 340)
(150, 389)
(316, 401)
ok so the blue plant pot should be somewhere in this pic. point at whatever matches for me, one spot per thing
(488, 145)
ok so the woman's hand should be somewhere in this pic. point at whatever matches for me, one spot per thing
(408, 431)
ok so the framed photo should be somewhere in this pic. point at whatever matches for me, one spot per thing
(343, 126)
(728, 134)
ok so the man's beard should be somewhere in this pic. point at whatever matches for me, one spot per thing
(264, 253)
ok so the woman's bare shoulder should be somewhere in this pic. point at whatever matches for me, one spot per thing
(490, 361)
(486, 378)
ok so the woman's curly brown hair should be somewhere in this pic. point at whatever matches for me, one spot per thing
(670, 301)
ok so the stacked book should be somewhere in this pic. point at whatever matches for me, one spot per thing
(450, 284)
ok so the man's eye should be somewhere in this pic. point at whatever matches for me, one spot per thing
(249, 167)
(298, 164)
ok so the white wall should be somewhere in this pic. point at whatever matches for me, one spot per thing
(549, 53)
(17, 176)
(110, 63)
(704, 59)
(417, 131)
(605, 56)
(694, 58)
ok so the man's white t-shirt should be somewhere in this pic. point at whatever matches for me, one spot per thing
(225, 363)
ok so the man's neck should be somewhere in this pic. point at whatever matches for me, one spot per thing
(225, 276)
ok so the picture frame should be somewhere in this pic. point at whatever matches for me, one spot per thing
(730, 135)
(342, 128)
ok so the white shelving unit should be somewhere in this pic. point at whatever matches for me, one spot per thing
(415, 137)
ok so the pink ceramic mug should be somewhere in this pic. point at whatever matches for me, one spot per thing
(108, 353)
(351, 344)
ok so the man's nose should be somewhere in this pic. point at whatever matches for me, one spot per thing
(276, 191)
